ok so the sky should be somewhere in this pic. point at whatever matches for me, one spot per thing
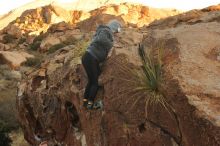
(7, 5)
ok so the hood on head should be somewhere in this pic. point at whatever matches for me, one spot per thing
(114, 25)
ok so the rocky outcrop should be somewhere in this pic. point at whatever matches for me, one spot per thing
(59, 27)
(36, 20)
(72, 124)
(212, 8)
(21, 33)
(49, 101)
(132, 15)
(61, 35)
(192, 17)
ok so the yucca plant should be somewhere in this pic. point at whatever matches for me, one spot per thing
(147, 81)
(152, 68)
(151, 78)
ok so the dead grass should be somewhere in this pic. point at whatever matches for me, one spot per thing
(17, 138)
(7, 107)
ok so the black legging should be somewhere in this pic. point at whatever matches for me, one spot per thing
(91, 65)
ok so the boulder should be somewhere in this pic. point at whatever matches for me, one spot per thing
(212, 8)
(60, 27)
(65, 38)
(4, 47)
(13, 30)
(78, 16)
(191, 74)
(13, 59)
(77, 123)
(182, 111)
(48, 42)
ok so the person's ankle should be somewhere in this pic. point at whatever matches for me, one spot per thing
(85, 102)
(90, 102)
(89, 105)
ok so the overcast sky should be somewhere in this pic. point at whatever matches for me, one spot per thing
(7, 5)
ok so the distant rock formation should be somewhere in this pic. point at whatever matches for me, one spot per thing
(129, 14)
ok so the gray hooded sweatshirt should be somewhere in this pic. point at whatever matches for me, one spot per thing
(102, 43)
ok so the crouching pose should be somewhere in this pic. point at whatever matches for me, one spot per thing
(95, 54)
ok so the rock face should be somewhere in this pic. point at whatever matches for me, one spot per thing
(192, 71)
(49, 101)
(36, 20)
(72, 124)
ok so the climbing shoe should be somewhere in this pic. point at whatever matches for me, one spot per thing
(89, 105)
(85, 102)
(98, 105)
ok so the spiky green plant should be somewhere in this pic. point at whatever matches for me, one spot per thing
(147, 81)
(151, 79)
(152, 68)
(33, 62)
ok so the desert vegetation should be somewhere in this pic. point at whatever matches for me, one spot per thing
(4, 134)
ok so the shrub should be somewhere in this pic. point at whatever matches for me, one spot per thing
(39, 38)
(56, 47)
(152, 68)
(70, 41)
(21, 40)
(81, 47)
(151, 78)
(8, 38)
(37, 41)
(32, 62)
(4, 137)
(35, 45)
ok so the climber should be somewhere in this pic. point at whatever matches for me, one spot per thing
(96, 53)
